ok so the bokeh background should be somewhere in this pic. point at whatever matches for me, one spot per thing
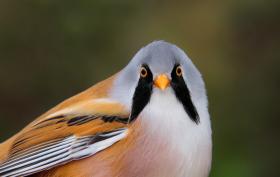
(51, 50)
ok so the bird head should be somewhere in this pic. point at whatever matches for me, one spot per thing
(160, 68)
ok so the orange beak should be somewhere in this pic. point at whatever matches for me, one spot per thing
(162, 81)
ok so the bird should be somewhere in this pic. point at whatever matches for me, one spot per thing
(150, 119)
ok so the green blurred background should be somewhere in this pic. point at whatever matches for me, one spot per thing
(51, 50)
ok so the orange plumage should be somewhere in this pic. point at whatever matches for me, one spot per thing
(45, 128)
(149, 120)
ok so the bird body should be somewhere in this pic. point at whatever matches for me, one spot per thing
(149, 120)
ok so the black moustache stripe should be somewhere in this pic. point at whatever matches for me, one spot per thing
(183, 95)
(142, 94)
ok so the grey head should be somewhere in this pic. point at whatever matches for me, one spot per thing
(160, 58)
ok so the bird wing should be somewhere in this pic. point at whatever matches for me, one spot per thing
(73, 130)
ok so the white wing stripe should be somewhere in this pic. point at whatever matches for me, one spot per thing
(40, 152)
(36, 165)
(37, 157)
(36, 147)
(61, 152)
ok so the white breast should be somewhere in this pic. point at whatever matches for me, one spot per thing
(184, 147)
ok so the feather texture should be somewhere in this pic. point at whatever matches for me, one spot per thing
(57, 152)
(77, 128)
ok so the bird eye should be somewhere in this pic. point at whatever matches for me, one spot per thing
(143, 72)
(179, 71)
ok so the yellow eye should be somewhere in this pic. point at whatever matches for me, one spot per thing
(143, 72)
(179, 71)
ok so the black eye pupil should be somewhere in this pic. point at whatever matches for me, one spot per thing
(179, 70)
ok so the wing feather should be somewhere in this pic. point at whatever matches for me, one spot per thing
(76, 128)
(54, 153)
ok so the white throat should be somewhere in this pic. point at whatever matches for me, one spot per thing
(165, 118)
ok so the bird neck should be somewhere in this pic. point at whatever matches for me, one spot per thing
(167, 127)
